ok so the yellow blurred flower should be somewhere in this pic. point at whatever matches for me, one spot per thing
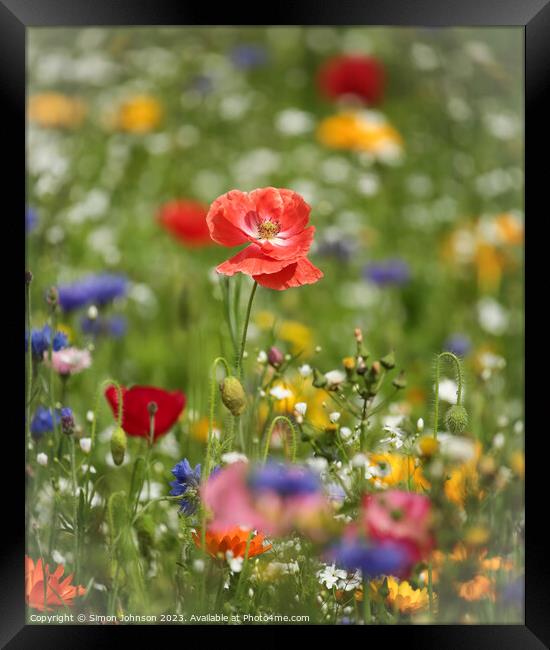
(403, 597)
(517, 461)
(359, 131)
(139, 114)
(396, 469)
(68, 331)
(199, 429)
(298, 335)
(55, 110)
(463, 480)
(509, 228)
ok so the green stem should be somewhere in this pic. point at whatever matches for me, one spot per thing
(29, 367)
(245, 564)
(430, 588)
(367, 614)
(459, 380)
(76, 527)
(280, 418)
(213, 383)
(238, 364)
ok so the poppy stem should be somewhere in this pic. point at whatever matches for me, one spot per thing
(459, 381)
(280, 418)
(238, 364)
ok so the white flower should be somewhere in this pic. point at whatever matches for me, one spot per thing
(447, 390)
(198, 565)
(58, 558)
(42, 459)
(499, 440)
(279, 392)
(492, 316)
(233, 457)
(359, 460)
(90, 416)
(292, 121)
(330, 575)
(305, 370)
(262, 356)
(85, 445)
(92, 312)
(346, 433)
(334, 417)
(317, 464)
(351, 582)
(235, 563)
(420, 425)
(457, 448)
(300, 408)
(335, 378)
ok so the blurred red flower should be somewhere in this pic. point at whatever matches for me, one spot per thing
(135, 413)
(274, 223)
(186, 221)
(357, 75)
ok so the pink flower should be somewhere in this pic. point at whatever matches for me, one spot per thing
(69, 361)
(400, 517)
(232, 501)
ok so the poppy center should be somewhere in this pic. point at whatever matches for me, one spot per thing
(268, 229)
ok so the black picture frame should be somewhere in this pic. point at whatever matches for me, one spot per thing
(18, 15)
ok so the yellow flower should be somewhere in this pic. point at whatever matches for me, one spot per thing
(139, 114)
(463, 480)
(509, 228)
(298, 335)
(517, 462)
(54, 110)
(199, 429)
(65, 329)
(359, 132)
(403, 597)
(397, 468)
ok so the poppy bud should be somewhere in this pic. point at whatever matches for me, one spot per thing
(275, 357)
(400, 381)
(456, 419)
(152, 408)
(118, 445)
(233, 395)
(52, 297)
(388, 361)
(28, 277)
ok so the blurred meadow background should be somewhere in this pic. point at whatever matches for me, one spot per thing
(419, 233)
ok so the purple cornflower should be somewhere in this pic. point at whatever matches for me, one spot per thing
(458, 344)
(94, 289)
(388, 272)
(248, 55)
(284, 480)
(40, 342)
(374, 560)
(114, 326)
(186, 483)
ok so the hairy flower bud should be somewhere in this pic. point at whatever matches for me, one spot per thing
(400, 381)
(388, 361)
(456, 418)
(233, 395)
(118, 445)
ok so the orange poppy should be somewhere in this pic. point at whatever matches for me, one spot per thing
(57, 593)
(477, 588)
(234, 540)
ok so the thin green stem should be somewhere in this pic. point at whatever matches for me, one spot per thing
(367, 613)
(76, 527)
(29, 367)
(280, 418)
(238, 364)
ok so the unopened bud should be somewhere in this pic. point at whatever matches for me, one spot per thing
(28, 277)
(400, 382)
(319, 380)
(275, 357)
(456, 418)
(52, 297)
(118, 445)
(233, 395)
(67, 421)
(152, 408)
(388, 361)
(358, 335)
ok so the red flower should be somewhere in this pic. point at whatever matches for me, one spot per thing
(135, 414)
(58, 592)
(186, 221)
(357, 75)
(274, 221)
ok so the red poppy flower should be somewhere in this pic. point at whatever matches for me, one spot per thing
(357, 75)
(135, 414)
(186, 221)
(274, 223)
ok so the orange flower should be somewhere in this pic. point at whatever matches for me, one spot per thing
(58, 594)
(139, 114)
(234, 540)
(477, 588)
(54, 110)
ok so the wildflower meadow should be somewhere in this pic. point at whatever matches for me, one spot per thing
(274, 326)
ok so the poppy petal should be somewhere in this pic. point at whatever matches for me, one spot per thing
(295, 274)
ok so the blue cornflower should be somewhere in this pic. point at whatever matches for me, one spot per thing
(114, 326)
(94, 289)
(284, 480)
(388, 272)
(186, 483)
(340, 249)
(373, 560)
(248, 55)
(42, 422)
(31, 219)
(458, 344)
(40, 342)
